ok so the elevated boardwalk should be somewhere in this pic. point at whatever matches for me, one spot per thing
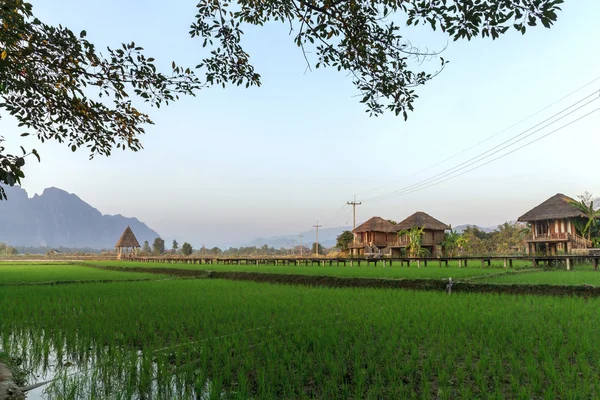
(567, 260)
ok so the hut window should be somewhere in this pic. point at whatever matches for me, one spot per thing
(541, 228)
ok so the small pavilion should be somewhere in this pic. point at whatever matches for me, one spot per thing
(127, 242)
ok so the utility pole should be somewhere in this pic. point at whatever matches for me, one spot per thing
(317, 226)
(301, 236)
(354, 204)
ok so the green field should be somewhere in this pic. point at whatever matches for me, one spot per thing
(210, 338)
(580, 276)
(226, 339)
(12, 273)
(432, 271)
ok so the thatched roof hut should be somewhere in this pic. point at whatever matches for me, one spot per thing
(556, 207)
(127, 240)
(421, 219)
(375, 224)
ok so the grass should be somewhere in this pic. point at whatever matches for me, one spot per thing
(227, 339)
(433, 271)
(581, 275)
(12, 273)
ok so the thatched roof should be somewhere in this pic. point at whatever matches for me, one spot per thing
(556, 207)
(421, 219)
(375, 224)
(127, 239)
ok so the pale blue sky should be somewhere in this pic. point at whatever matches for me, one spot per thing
(234, 164)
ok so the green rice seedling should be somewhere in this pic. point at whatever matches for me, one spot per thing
(11, 273)
(228, 339)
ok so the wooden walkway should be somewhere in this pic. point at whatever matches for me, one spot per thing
(567, 260)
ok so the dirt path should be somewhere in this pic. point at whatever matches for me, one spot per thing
(8, 389)
(437, 285)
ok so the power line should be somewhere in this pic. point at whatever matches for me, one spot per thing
(492, 151)
(485, 140)
(501, 156)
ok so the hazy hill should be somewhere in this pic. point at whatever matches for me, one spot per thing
(327, 238)
(57, 218)
(486, 229)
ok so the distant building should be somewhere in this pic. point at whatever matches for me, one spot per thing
(553, 226)
(433, 233)
(373, 235)
(127, 242)
(379, 236)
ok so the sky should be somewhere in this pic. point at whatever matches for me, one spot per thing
(233, 164)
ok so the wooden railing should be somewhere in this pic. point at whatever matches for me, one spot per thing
(580, 242)
(400, 242)
(550, 236)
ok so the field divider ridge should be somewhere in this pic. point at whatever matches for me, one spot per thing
(437, 285)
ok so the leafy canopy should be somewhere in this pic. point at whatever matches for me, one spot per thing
(344, 240)
(186, 249)
(361, 37)
(58, 86)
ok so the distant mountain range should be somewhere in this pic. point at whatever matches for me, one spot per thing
(327, 238)
(57, 218)
(486, 229)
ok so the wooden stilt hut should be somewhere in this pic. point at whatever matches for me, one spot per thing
(372, 236)
(127, 242)
(433, 233)
(554, 227)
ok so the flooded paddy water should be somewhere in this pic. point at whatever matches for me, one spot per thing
(214, 338)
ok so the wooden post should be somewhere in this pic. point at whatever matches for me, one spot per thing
(510, 263)
(466, 263)
(418, 263)
(568, 260)
(505, 263)
(482, 263)
(595, 263)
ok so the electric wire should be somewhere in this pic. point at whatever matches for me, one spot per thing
(497, 158)
(494, 150)
(483, 141)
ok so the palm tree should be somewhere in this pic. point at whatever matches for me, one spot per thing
(414, 240)
(592, 215)
(450, 242)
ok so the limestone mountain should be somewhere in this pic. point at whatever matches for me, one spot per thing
(57, 218)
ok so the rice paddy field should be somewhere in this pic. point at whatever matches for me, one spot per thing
(18, 273)
(218, 339)
(433, 271)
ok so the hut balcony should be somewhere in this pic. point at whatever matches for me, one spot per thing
(576, 240)
(378, 243)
